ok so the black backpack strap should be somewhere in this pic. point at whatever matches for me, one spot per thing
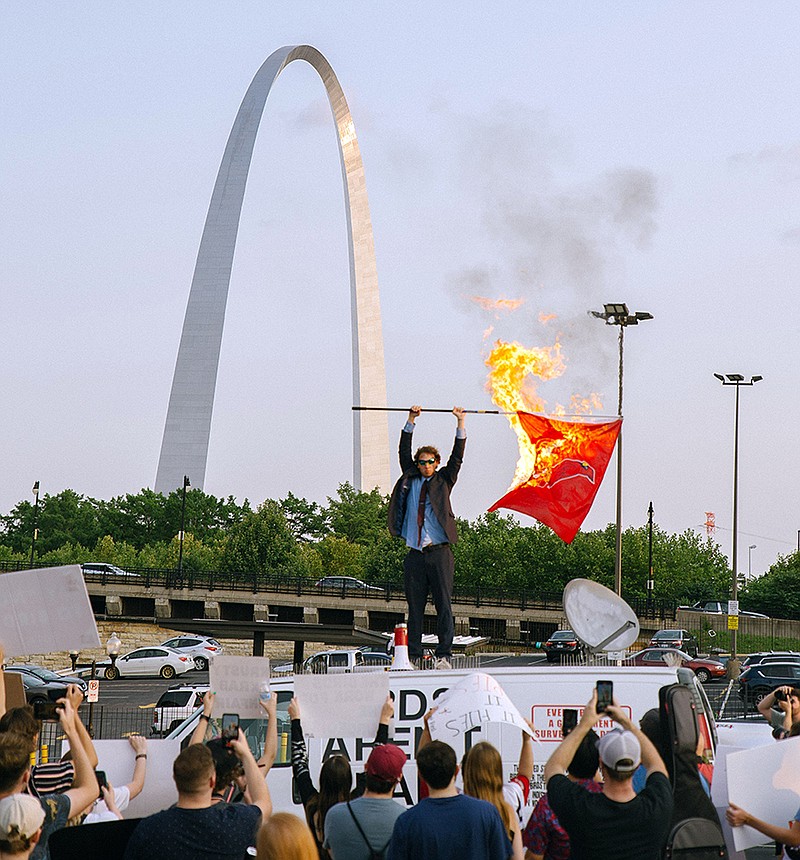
(372, 851)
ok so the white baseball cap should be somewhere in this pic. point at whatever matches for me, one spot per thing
(620, 750)
(20, 816)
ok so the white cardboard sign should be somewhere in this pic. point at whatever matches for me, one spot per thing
(237, 682)
(766, 782)
(341, 706)
(117, 759)
(476, 700)
(46, 610)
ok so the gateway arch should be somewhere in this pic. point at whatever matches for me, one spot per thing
(184, 448)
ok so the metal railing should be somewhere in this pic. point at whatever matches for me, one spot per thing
(259, 582)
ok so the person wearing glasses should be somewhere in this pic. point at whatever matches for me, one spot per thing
(420, 513)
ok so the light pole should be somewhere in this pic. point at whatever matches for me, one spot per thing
(616, 313)
(183, 521)
(35, 534)
(750, 561)
(737, 380)
(650, 580)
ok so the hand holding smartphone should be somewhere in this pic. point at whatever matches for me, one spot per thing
(230, 728)
(569, 721)
(605, 696)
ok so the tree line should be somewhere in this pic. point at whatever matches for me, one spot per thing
(347, 536)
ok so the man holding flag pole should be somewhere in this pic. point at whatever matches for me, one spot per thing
(420, 513)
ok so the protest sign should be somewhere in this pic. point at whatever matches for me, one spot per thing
(476, 700)
(46, 610)
(341, 706)
(765, 781)
(117, 759)
(237, 681)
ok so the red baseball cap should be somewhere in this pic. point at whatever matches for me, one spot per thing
(386, 762)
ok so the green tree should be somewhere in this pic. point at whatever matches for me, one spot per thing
(340, 557)
(360, 517)
(776, 592)
(308, 521)
(261, 542)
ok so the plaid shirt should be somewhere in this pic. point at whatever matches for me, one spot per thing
(544, 835)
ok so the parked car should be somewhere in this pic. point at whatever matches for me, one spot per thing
(705, 669)
(771, 657)
(175, 705)
(560, 643)
(37, 690)
(165, 662)
(760, 680)
(680, 639)
(100, 568)
(719, 607)
(346, 583)
(47, 675)
(346, 660)
(199, 648)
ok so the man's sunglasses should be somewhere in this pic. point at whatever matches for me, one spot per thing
(426, 462)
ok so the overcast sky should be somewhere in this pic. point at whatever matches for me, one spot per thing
(567, 154)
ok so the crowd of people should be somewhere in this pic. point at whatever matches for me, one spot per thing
(606, 797)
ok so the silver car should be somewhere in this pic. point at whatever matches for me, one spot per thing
(200, 648)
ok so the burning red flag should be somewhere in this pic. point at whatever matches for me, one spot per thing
(570, 460)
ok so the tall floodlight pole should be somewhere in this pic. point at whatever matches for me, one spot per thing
(35, 533)
(737, 380)
(616, 313)
(186, 484)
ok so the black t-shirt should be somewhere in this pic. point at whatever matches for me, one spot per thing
(603, 829)
(220, 832)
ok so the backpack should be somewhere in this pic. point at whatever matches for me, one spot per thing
(696, 838)
(373, 853)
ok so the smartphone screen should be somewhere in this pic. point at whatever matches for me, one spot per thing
(605, 693)
(102, 782)
(45, 711)
(230, 726)
(570, 720)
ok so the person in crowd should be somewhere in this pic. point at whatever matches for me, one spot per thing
(56, 776)
(420, 513)
(483, 778)
(21, 820)
(361, 829)
(787, 836)
(517, 790)
(544, 838)
(15, 760)
(447, 825)
(230, 779)
(780, 709)
(616, 823)
(116, 799)
(335, 776)
(196, 827)
(284, 836)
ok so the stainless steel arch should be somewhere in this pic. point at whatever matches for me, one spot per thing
(184, 448)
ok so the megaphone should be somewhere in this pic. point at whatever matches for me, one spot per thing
(400, 659)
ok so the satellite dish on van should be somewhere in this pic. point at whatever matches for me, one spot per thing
(601, 619)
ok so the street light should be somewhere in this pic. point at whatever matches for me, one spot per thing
(737, 380)
(183, 521)
(750, 560)
(35, 492)
(616, 313)
(113, 645)
(73, 656)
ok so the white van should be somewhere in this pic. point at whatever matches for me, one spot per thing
(540, 694)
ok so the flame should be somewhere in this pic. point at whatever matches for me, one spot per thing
(546, 318)
(497, 305)
(514, 373)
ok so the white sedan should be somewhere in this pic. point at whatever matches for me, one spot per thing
(166, 662)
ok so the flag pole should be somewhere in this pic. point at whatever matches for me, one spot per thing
(405, 409)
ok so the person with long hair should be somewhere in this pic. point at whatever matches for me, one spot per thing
(483, 778)
(284, 836)
(335, 776)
